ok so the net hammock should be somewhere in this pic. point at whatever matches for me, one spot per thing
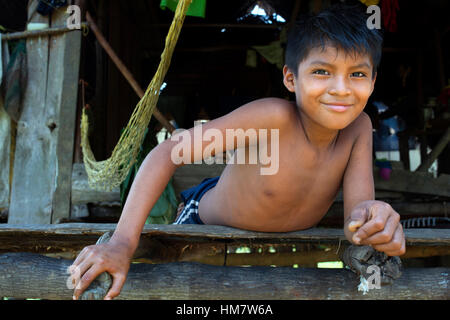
(108, 174)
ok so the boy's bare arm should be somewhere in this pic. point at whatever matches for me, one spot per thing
(149, 183)
(368, 221)
(114, 256)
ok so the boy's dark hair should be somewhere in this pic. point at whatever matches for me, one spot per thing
(342, 26)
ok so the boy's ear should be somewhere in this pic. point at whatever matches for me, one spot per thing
(374, 78)
(288, 79)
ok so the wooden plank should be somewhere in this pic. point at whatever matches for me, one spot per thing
(33, 188)
(202, 233)
(62, 92)
(38, 33)
(414, 182)
(25, 275)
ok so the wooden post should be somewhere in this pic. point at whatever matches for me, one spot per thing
(5, 140)
(62, 92)
(26, 275)
(43, 159)
(32, 189)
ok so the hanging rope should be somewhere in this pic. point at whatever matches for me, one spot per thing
(108, 174)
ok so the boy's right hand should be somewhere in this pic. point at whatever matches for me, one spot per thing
(111, 257)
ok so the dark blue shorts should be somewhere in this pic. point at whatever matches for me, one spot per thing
(191, 198)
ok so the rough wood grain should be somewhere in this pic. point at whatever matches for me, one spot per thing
(35, 154)
(211, 233)
(41, 192)
(25, 275)
(61, 98)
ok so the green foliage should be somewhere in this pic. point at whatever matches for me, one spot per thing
(164, 211)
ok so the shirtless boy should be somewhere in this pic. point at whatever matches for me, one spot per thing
(325, 142)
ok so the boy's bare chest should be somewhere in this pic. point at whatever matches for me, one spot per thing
(297, 196)
(305, 175)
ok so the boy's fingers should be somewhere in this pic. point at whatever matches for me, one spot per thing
(80, 257)
(357, 218)
(385, 235)
(114, 291)
(377, 220)
(76, 271)
(86, 280)
(396, 247)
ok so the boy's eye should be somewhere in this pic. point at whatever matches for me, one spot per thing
(321, 72)
(358, 74)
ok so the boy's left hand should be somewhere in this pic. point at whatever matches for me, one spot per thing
(375, 223)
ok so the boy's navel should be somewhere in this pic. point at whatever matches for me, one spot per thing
(268, 192)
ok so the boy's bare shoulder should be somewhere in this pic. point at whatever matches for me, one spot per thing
(361, 125)
(281, 110)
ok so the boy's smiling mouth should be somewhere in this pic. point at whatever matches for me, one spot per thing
(337, 106)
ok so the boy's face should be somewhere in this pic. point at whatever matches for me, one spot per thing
(331, 87)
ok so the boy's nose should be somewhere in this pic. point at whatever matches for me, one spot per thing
(339, 87)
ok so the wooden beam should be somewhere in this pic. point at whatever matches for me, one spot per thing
(193, 232)
(414, 182)
(434, 154)
(38, 33)
(25, 275)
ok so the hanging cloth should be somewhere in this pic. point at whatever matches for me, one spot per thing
(196, 9)
(389, 10)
